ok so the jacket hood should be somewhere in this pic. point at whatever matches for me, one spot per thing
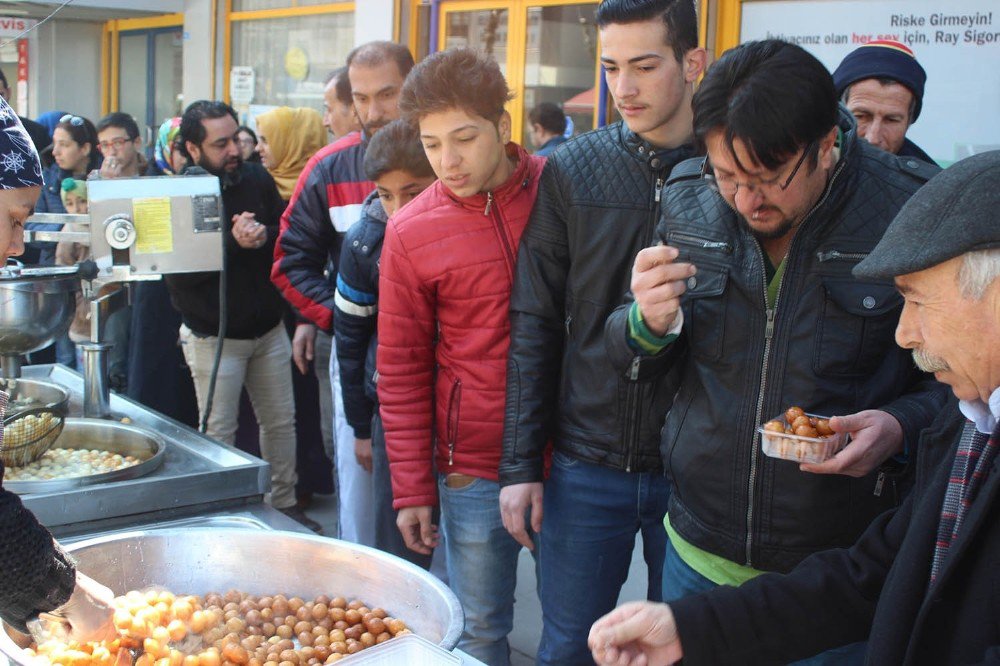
(372, 208)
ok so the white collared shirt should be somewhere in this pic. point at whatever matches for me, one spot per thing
(984, 416)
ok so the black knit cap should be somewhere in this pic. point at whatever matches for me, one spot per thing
(883, 59)
(954, 213)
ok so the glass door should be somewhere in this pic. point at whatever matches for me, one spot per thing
(560, 64)
(486, 30)
(150, 66)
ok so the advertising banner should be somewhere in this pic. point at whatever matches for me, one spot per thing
(956, 42)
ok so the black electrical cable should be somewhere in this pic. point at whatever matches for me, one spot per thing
(223, 317)
(223, 309)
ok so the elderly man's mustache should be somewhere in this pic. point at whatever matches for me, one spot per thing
(929, 362)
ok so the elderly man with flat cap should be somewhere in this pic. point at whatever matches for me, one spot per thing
(922, 584)
(882, 85)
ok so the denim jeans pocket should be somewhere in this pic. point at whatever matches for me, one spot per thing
(563, 460)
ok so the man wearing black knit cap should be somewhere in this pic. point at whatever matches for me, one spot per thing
(882, 85)
(922, 583)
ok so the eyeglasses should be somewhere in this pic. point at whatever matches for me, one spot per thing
(115, 143)
(246, 142)
(729, 186)
(75, 121)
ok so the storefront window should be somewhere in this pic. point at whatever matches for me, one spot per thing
(484, 30)
(560, 58)
(291, 57)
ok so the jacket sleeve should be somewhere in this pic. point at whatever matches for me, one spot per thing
(41, 253)
(537, 330)
(407, 324)
(302, 249)
(624, 356)
(35, 574)
(918, 407)
(356, 304)
(826, 601)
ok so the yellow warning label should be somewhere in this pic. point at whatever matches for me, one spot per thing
(154, 231)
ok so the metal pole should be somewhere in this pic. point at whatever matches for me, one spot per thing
(435, 20)
(602, 100)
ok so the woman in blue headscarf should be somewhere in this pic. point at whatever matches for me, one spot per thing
(168, 158)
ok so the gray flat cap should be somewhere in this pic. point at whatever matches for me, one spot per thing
(957, 211)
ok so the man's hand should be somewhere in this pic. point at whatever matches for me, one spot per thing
(514, 502)
(657, 284)
(248, 232)
(414, 523)
(89, 612)
(303, 346)
(875, 435)
(640, 633)
(111, 168)
(363, 453)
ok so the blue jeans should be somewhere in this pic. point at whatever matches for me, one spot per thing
(680, 580)
(591, 516)
(482, 567)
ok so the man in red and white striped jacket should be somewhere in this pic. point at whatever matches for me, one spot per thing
(326, 202)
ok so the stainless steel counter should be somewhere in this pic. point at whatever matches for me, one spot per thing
(198, 476)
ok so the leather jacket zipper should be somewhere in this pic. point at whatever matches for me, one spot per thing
(703, 243)
(502, 234)
(632, 401)
(755, 452)
(837, 255)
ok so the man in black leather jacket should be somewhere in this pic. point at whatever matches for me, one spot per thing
(597, 206)
(751, 299)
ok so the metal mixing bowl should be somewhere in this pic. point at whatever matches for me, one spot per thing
(36, 307)
(201, 560)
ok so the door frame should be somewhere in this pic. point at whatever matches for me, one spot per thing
(110, 51)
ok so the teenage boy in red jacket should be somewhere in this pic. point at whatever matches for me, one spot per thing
(444, 290)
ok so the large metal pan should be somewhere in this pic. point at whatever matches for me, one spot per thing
(202, 560)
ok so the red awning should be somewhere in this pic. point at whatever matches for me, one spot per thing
(580, 103)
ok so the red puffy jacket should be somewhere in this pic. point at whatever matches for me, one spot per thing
(445, 279)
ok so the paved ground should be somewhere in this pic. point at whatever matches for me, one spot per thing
(527, 610)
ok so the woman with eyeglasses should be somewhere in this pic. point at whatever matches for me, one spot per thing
(74, 149)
